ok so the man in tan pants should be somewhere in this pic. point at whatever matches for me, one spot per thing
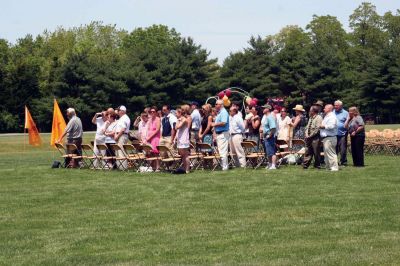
(168, 123)
(328, 132)
(236, 130)
(121, 133)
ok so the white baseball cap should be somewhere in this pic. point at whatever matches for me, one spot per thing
(122, 108)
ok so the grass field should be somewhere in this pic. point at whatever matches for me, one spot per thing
(289, 216)
(381, 127)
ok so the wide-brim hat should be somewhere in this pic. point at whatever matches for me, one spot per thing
(299, 107)
(319, 102)
(267, 106)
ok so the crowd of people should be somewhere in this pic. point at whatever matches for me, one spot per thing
(324, 130)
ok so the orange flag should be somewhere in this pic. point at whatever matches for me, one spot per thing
(58, 126)
(34, 137)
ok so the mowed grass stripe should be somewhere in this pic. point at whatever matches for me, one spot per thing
(290, 216)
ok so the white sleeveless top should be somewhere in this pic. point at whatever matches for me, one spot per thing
(183, 137)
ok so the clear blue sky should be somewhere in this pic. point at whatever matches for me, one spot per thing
(221, 26)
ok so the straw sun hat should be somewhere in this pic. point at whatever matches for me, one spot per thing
(299, 107)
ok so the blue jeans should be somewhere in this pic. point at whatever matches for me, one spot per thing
(270, 147)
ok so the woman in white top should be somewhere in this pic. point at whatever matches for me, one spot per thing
(284, 122)
(109, 130)
(182, 135)
(142, 127)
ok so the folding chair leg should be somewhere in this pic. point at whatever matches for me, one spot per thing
(120, 164)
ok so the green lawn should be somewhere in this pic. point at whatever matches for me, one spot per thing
(289, 216)
(381, 127)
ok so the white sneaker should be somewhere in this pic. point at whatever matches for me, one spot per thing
(268, 166)
(334, 169)
(273, 167)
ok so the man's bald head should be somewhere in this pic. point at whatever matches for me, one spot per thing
(328, 108)
(219, 104)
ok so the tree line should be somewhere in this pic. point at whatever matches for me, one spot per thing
(95, 66)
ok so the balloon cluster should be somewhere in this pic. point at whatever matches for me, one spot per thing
(224, 96)
(251, 101)
(247, 100)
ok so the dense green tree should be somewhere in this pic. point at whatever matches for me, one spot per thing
(380, 82)
(325, 59)
(166, 68)
(254, 69)
(96, 66)
(293, 45)
(367, 41)
(21, 81)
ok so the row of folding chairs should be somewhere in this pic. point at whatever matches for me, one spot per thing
(127, 157)
(383, 142)
(138, 156)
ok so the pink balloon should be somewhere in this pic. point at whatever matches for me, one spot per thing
(253, 102)
(228, 92)
(221, 95)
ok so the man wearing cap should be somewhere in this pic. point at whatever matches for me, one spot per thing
(269, 131)
(319, 105)
(312, 139)
(121, 133)
(328, 132)
(341, 147)
(168, 123)
(74, 134)
(196, 121)
(236, 130)
(221, 127)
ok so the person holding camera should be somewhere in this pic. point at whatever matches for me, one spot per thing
(252, 124)
(99, 119)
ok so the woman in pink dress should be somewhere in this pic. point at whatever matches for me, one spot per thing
(153, 133)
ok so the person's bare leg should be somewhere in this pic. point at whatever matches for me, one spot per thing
(187, 161)
(273, 159)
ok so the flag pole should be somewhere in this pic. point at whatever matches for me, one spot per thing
(24, 138)
(25, 128)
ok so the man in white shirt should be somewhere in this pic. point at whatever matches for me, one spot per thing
(121, 133)
(196, 121)
(221, 128)
(328, 132)
(236, 130)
